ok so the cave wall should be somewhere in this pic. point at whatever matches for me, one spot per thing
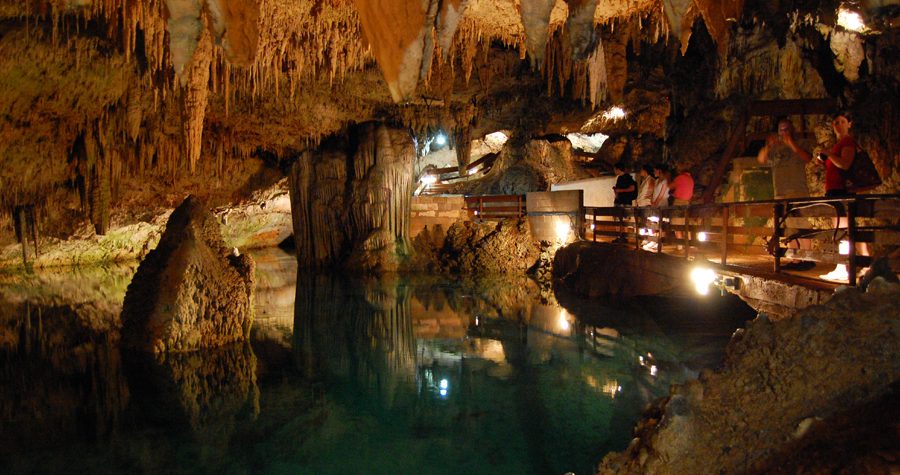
(350, 199)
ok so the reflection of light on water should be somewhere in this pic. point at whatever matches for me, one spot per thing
(653, 370)
(611, 388)
(443, 393)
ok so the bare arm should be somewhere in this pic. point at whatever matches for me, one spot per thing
(799, 152)
(763, 155)
(845, 159)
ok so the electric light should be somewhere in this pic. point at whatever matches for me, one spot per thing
(593, 226)
(653, 219)
(443, 392)
(428, 179)
(563, 321)
(474, 170)
(445, 384)
(850, 20)
(440, 139)
(653, 370)
(614, 113)
(562, 230)
(702, 236)
(844, 248)
(702, 277)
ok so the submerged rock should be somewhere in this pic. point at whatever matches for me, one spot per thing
(191, 291)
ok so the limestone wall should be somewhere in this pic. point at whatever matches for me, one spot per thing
(431, 211)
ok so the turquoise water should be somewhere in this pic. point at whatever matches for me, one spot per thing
(403, 374)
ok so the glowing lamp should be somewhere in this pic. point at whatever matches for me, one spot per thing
(844, 248)
(850, 20)
(702, 277)
(614, 113)
(428, 179)
(440, 139)
(702, 236)
(562, 230)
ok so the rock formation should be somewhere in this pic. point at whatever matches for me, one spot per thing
(787, 389)
(351, 202)
(491, 247)
(190, 292)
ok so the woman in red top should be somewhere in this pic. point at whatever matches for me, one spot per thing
(838, 160)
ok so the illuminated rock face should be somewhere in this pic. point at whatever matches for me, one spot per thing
(190, 292)
(351, 204)
(786, 397)
(400, 34)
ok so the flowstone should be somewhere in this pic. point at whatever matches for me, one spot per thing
(190, 292)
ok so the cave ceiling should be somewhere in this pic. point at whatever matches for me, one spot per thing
(168, 84)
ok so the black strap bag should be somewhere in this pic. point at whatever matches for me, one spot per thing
(862, 175)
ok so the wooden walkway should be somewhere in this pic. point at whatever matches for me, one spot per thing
(761, 234)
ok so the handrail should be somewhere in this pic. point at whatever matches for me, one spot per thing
(495, 206)
(716, 221)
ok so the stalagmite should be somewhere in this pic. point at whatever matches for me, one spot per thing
(375, 233)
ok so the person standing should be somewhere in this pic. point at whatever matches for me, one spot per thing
(661, 189)
(626, 192)
(836, 162)
(783, 150)
(682, 187)
(645, 190)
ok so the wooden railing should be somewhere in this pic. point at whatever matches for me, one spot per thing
(444, 176)
(495, 206)
(800, 228)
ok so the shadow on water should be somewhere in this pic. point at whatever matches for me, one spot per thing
(343, 374)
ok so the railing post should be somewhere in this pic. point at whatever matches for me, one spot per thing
(687, 232)
(776, 236)
(637, 233)
(851, 238)
(659, 232)
(724, 235)
(594, 224)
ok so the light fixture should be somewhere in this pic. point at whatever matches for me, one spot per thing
(653, 219)
(440, 139)
(563, 321)
(702, 277)
(850, 19)
(614, 113)
(428, 179)
(562, 230)
(474, 170)
(593, 226)
(702, 236)
(844, 248)
(445, 384)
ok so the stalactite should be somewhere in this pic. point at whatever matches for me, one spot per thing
(196, 97)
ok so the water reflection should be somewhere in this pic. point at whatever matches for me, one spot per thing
(403, 374)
